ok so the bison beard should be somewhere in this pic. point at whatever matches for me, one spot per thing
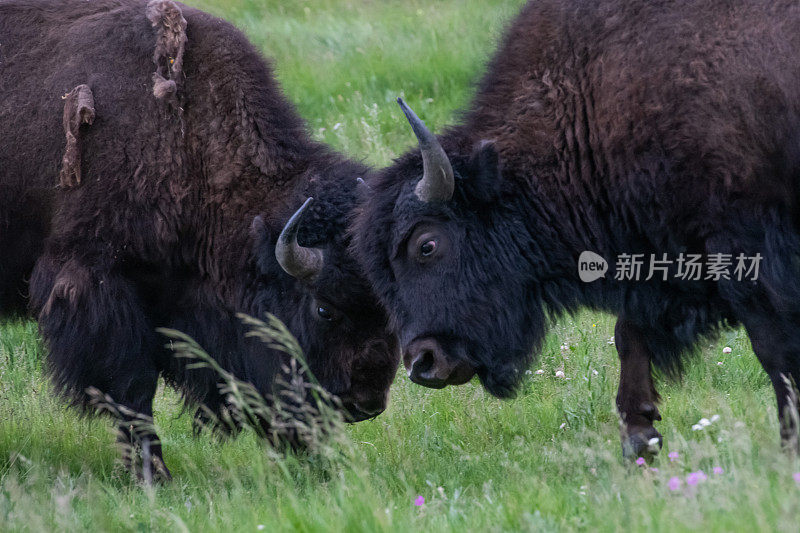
(613, 127)
(182, 164)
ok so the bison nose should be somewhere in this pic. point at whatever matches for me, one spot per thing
(363, 408)
(428, 365)
(371, 408)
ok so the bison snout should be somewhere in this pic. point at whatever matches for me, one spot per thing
(428, 365)
(358, 409)
(357, 412)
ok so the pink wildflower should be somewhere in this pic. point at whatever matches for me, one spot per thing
(674, 483)
(420, 501)
(718, 470)
(696, 477)
(796, 477)
(672, 456)
(640, 461)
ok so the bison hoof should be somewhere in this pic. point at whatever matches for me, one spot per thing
(154, 473)
(643, 442)
(162, 473)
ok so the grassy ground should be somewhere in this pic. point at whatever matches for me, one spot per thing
(548, 460)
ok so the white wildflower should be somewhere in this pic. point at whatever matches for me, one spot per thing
(560, 374)
(727, 349)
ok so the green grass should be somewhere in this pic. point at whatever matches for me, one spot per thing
(547, 460)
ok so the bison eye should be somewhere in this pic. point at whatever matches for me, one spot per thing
(426, 244)
(324, 313)
(427, 248)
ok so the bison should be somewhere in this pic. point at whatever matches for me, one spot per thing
(627, 129)
(148, 165)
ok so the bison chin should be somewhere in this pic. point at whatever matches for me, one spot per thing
(502, 371)
(500, 383)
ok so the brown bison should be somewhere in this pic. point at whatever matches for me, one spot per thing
(663, 132)
(148, 163)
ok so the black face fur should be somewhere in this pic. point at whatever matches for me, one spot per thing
(336, 317)
(453, 270)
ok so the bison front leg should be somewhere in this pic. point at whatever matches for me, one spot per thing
(101, 349)
(637, 396)
(141, 450)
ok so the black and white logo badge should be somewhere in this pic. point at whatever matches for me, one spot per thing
(591, 266)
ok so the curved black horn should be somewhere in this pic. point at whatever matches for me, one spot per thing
(297, 261)
(437, 183)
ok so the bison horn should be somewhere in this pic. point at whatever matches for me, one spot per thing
(296, 260)
(437, 183)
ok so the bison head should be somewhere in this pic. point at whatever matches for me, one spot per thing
(328, 305)
(448, 255)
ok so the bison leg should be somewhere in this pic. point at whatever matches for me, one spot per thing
(637, 396)
(101, 347)
(141, 451)
(18, 249)
(23, 230)
(776, 348)
(766, 300)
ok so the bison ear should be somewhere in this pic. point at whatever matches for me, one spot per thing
(483, 178)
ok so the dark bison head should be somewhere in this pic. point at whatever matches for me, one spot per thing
(448, 258)
(329, 306)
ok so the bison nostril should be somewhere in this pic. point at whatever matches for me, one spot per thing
(424, 362)
(427, 363)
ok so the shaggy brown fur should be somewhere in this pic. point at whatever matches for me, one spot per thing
(159, 231)
(617, 126)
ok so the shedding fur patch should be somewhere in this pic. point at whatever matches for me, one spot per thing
(70, 283)
(170, 26)
(78, 110)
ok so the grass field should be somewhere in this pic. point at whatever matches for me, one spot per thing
(547, 460)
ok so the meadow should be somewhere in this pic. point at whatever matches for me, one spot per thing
(453, 459)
